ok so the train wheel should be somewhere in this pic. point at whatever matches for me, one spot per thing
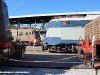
(42, 47)
(11, 52)
(87, 64)
(74, 50)
(22, 54)
(58, 50)
(49, 50)
(19, 54)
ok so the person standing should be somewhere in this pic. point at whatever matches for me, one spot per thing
(20, 41)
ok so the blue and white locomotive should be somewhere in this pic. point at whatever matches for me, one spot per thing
(63, 34)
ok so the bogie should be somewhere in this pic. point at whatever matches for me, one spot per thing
(61, 48)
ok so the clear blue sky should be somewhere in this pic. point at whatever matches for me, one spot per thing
(26, 7)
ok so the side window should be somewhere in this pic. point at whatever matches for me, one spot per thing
(55, 24)
(20, 33)
(65, 23)
(32, 32)
(26, 33)
(51, 24)
(29, 33)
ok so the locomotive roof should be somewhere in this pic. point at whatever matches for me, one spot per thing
(88, 17)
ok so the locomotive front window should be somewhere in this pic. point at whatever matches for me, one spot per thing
(51, 24)
(20, 33)
(32, 32)
(55, 24)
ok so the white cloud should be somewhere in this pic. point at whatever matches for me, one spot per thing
(22, 2)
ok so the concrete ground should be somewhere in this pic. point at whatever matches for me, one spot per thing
(36, 54)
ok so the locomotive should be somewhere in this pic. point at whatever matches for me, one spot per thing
(8, 48)
(26, 34)
(62, 34)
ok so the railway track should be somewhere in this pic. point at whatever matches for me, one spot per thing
(47, 61)
(36, 59)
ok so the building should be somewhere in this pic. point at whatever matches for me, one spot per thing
(93, 28)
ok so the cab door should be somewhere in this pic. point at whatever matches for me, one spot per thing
(31, 35)
(26, 36)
